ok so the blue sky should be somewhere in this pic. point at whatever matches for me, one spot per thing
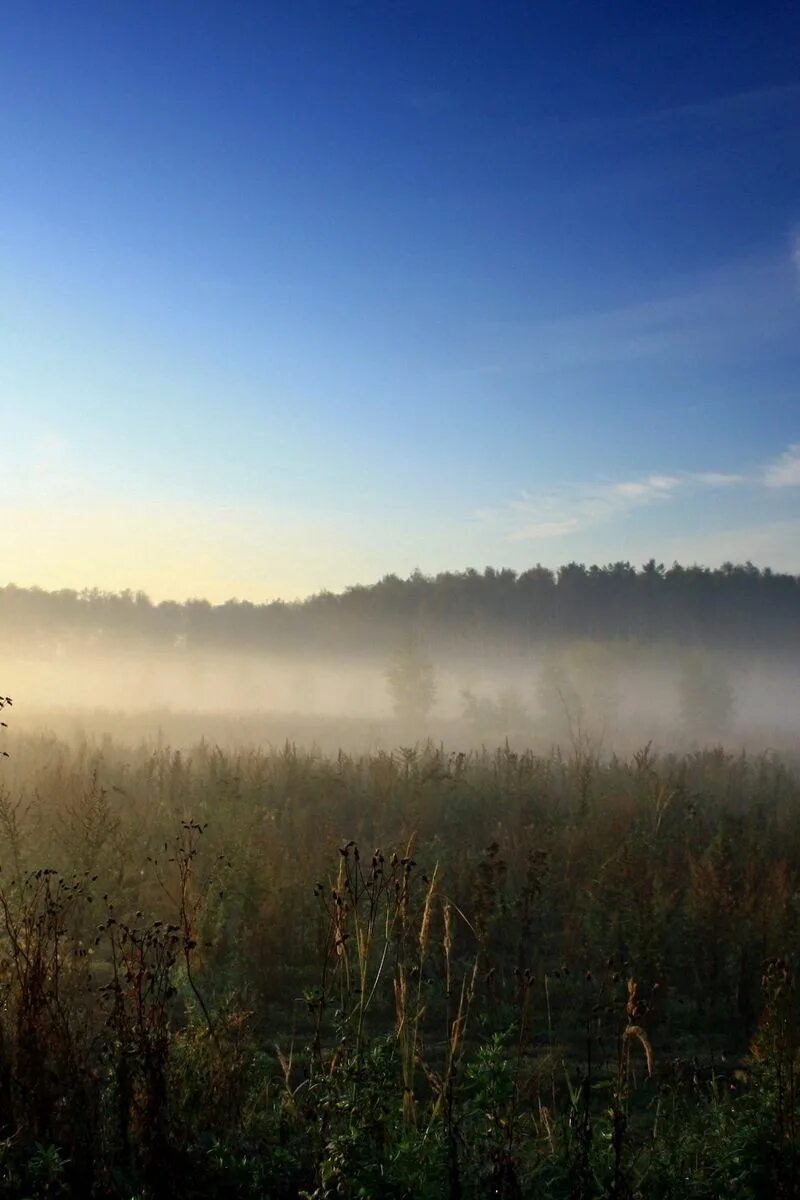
(293, 295)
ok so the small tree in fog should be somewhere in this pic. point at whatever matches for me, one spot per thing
(595, 671)
(706, 695)
(559, 700)
(411, 683)
(504, 717)
(579, 691)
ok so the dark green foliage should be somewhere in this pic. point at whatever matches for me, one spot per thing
(732, 605)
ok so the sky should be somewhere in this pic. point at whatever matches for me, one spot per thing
(293, 295)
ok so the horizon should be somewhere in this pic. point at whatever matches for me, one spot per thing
(295, 296)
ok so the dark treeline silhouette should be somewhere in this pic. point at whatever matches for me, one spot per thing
(729, 605)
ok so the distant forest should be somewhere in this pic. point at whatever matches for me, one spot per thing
(729, 605)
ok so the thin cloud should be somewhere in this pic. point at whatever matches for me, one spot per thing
(545, 529)
(785, 470)
(742, 112)
(771, 544)
(574, 508)
(745, 307)
(656, 487)
(719, 478)
(739, 112)
(795, 252)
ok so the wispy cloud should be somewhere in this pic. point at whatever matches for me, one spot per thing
(785, 470)
(572, 508)
(741, 108)
(771, 544)
(749, 306)
(740, 113)
(719, 478)
(796, 250)
(656, 487)
(545, 529)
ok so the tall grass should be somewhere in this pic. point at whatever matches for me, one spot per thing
(275, 973)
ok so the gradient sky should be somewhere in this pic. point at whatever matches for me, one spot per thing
(296, 294)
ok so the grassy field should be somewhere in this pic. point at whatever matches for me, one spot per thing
(274, 973)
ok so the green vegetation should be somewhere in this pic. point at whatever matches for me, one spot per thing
(557, 977)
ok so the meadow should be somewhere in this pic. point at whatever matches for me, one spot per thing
(273, 972)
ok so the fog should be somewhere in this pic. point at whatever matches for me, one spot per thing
(611, 696)
(610, 657)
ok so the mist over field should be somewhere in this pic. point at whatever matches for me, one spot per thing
(363, 887)
(610, 656)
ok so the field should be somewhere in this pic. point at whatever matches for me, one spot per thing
(417, 973)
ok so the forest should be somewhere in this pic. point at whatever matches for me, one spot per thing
(729, 605)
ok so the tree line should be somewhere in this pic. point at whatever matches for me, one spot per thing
(727, 605)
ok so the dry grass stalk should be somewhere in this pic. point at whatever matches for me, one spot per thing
(636, 1031)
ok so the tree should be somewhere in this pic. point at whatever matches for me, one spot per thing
(559, 700)
(504, 717)
(411, 683)
(706, 695)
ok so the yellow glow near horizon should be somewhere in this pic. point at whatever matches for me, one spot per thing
(174, 552)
